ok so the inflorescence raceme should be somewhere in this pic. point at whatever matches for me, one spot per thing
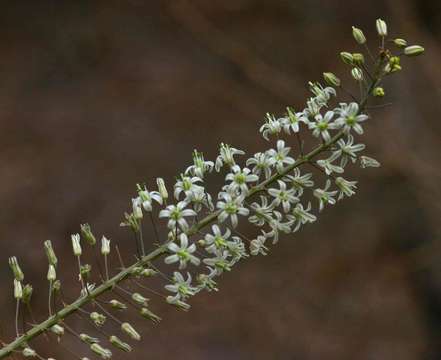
(272, 190)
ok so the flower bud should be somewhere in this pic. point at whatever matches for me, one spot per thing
(76, 247)
(27, 294)
(146, 313)
(358, 59)
(347, 58)
(86, 231)
(139, 299)
(366, 161)
(137, 210)
(117, 304)
(50, 253)
(161, 188)
(57, 330)
(85, 271)
(357, 74)
(358, 35)
(130, 331)
(28, 352)
(105, 246)
(56, 286)
(51, 273)
(148, 272)
(99, 350)
(378, 92)
(18, 290)
(120, 344)
(13, 264)
(88, 339)
(381, 27)
(331, 79)
(413, 50)
(401, 43)
(97, 318)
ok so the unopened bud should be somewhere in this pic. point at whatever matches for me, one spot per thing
(76, 246)
(148, 272)
(413, 50)
(56, 286)
(28, 352)
(378, 92)
(50, 253)
(137, 210)
(146, 313)
(161, 188)
(358, 35)
(130, 331)
(381, 27)
(347, 58)
(117, 304)
(51, 273)
(86, 231)
(58, 330)
(401, 43)
(357, 74)
(18, 290)
(105, 246)
(358, 59)
(331, 79)
(13, 264)
(85, 271)
(97, 318)
(120, 344)
(99, 350)
(27, 294)
(89, 339)
(139, 299)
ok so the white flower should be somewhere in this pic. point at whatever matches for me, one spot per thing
(217, 241)
(271, 127)
(199, 198)
(231, 207)
(327, 165)
(239, 179)
(349, 118)
(292, 121)
(219, 262)
(278, 226)
(283, 196)
(181, 287)
(237, 250)
(257, 246)
(146, 197)
(182, 253)
(205, 281)
(322, 95)
(176, 215)
(280, 156)
(200, 166)
(262, 212)
(366, 161)
(187, 185)
(300, 216)
(299, 182)
(261, 162)
(348, 150)
(176, 301)
(226, 156)
(312, 109)
(324, 196)
(346, 187)
(322, 125)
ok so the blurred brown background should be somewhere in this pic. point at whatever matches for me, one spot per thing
(98, 95)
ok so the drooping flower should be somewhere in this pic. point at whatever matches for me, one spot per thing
(346, 187)
(324, 196)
